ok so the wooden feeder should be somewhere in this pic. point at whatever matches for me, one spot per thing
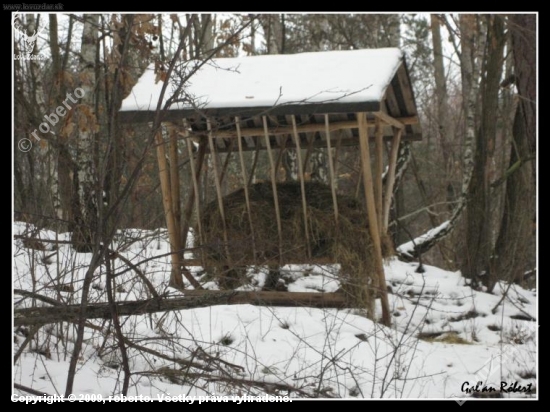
(271, 103)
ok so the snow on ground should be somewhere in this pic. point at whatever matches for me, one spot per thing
(443, 334)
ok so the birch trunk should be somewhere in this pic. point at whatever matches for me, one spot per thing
(86, 210)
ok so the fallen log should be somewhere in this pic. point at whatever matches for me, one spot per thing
(192, 299)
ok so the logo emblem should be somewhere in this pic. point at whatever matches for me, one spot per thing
(28, 41)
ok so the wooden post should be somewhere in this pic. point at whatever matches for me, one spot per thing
(164, 174)
(176, 205)
(331, 170)
(188, 210)
(372, 216)
(175, 179)
(274, 187)
(227, 159)
(337, 152)
(378, 171)
(245, 183)
(218, 186)
(391, 176)
(302, 183)
(196, 194)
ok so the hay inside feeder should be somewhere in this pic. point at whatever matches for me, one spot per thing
(348, 244)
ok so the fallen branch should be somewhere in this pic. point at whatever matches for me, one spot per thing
(193, 299)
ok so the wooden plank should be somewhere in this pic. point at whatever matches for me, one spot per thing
(331, 169)
(245, 184)
(274, 187)
(302, 183)
(345, 142)
(305, 128)
(391, 177)
(380, 282)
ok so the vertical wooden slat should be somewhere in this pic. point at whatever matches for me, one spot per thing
(391, 176)
(378, 170)
(164, 176)
(302, 183)
(274, 187)
(188, 209)
(331, 169)
(188, 143)
(213, 153)
(337, 153)
(372, 215)
(174, 176)
(245, 183)
(227, 159)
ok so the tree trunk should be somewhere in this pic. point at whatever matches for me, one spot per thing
(478, 245)
(86, 210)
(515, 245)
(524, 42)
(53, 160)
(513, 255)
(273, 32)
(445, 127)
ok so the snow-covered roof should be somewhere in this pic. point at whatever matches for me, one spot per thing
(350, 76)
(305, 85)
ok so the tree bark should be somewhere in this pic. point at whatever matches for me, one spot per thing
(87, 224)
(524, 42)
(445, 127)
(478, 245)
(86, 207)
(515, 245)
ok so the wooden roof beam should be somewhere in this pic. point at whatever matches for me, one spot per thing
(399, 122)
(386, 118)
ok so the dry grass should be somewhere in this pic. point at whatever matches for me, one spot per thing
(348, 243)
(448, 337)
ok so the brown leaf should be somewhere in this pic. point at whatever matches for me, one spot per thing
(160, 76)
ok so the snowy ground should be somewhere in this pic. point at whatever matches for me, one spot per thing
(443, 335)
